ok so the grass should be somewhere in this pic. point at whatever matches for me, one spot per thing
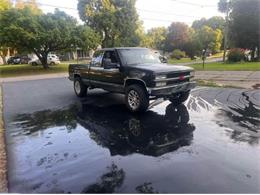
(220, 66)
(183, 60)
(26, 70)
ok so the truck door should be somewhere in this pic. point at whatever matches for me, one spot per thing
(96, 69)
(110, 79)
(112, 75)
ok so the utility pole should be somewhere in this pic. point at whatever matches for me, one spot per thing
(204, 54)
(226, 32)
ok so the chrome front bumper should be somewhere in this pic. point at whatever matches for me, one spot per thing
(171, 89)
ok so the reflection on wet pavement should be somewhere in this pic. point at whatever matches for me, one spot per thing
(210, 144)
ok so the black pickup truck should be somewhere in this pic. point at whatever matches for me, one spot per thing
(136, 72)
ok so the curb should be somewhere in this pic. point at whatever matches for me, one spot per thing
(3, 161)
(34, 77)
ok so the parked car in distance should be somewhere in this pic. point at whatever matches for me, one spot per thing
(25, 59)
(18, 60)
(51, 60)
(136, 72)
(14, 60)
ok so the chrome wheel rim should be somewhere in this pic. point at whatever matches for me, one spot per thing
(133, 99)
(77, 87)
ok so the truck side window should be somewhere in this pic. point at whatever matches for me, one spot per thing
(97, 59)
(111, 55)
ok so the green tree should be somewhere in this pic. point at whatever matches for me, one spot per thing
(144, 40)
(177, 36)
(192, 47)
(244, 25)
(215, 22)
(87, 38)
(224, 6)
(156, 37)
(5, 4)
(116, 21)
(207, 38)
(40, 34)
(31, 4)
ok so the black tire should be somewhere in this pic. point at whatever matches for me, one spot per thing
(179, 98)
(52, 63)
(34, 64)
(80, 88)
(141, 96)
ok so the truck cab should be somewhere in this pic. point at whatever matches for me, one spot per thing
(136, 72)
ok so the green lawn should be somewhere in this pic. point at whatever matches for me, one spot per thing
(183, 60)
(219, 66)
(25, 69)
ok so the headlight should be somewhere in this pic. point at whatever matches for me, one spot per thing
(159, 77)
(160, 84)
(137, 74)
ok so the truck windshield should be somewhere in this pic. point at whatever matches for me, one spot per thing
(139, 56)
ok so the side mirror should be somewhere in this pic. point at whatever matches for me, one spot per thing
(164, 59)
(108, 64)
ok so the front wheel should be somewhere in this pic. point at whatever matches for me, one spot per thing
(179, 98)
(80, 88)
(136, 98)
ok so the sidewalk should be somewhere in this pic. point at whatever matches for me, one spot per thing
(243, 79)
(3, 163)
(34, 77)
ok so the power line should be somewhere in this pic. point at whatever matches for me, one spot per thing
(155, 19)
(150, 11)
(166, 13)
(144, 10)
(193, 4)
(54, 6)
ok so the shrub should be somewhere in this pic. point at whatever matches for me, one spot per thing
(178, 54)
(236, 55)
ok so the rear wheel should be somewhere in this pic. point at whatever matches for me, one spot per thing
(80, 88)
(136, 98)
(179, 98)
(34, 63)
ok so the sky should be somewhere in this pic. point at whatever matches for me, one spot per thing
(153, 13)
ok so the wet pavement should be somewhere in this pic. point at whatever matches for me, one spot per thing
(60, 144)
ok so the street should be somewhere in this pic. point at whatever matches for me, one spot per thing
(58, 143)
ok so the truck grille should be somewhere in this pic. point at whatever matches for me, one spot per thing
(180, 78)
(177, 74)
(178, 81)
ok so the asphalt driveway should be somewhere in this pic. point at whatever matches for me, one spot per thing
(57, 143)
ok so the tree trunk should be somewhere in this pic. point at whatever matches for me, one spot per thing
(258, 54)
(43, 57)
(253, 54)
(44, 61)
(4, 59)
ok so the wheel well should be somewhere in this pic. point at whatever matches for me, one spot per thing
(129, 82)
(76, 76)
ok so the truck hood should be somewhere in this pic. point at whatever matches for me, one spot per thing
(162, 68)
